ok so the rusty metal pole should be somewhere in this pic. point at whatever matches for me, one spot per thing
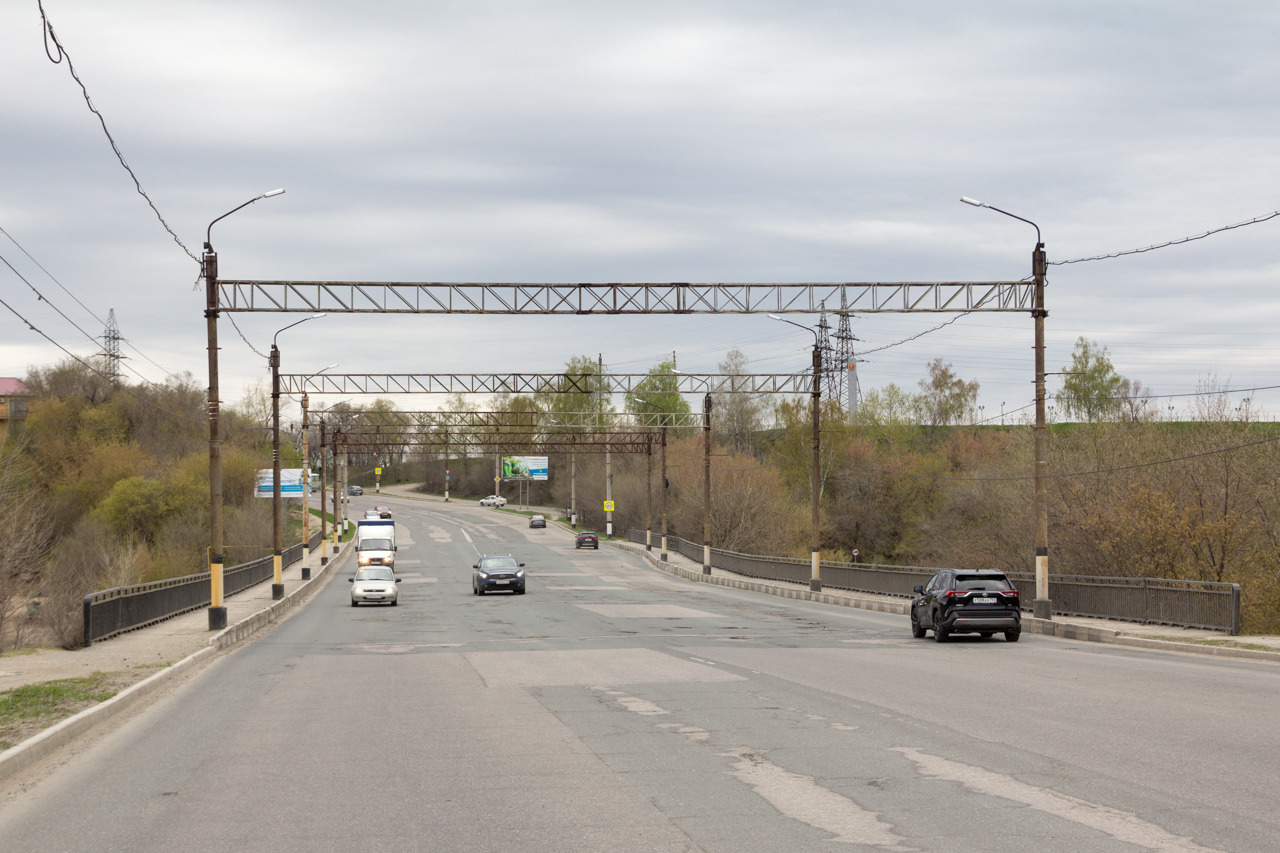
(277, 553)
(706, 484)
(815, 576)
(648, 504)
(306, 493)
(217, 609)
(1042, 607)
(665, 486)
(337, 487)
(324, 527)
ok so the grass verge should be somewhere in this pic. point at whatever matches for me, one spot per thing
(28, 710)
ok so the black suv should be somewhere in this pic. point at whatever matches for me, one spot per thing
(982, 601)
(587, 539)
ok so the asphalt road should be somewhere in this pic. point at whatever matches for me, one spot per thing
(615, 708)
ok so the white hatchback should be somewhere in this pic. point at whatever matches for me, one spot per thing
(375, 585)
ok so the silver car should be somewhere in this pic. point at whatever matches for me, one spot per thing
(375, 585)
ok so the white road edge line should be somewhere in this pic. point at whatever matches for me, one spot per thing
(1123, 826)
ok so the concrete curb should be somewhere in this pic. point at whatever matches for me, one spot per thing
(1031, 625)
(838, 599)
(36, 747)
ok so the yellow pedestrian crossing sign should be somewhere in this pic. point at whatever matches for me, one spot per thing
(608, 506)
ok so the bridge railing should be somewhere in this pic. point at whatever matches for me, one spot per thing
(1150, 601)
(126, 608)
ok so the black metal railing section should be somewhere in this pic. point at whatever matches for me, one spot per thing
(125, 608)
(1150, 601)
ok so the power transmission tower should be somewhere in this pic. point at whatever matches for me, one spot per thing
(111, 348)
(843, 379)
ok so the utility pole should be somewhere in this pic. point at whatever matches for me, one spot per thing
(306, 493)
(346, 484)
(608, 463)
(648, 504)
(446, 464)
(324, 527)
(337, 487)
(1042, 607)
(573, 490)
(277, 553)
(665, 486)
(706, 484)
(815, 576)
(608, 494)
(217, 610)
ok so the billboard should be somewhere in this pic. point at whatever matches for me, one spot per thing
(290, 483)
(524, 467)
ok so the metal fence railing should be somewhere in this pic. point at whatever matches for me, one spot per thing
(1151, 601)
(125, 608)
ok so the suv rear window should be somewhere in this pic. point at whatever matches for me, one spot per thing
(970, 582)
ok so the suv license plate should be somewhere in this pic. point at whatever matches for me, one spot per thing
(502, 582)
(984, 601)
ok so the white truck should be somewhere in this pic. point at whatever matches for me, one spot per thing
(376, 543)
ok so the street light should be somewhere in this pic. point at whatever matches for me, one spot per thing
(277, 586)
(1042, 607)
(209, 266)
(815, 577)
(306, 488)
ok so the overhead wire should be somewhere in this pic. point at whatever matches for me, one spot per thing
(93, 340)
(42, 334)
(49, 35)
(1265, 217)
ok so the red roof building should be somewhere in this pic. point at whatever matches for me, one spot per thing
(14, 395)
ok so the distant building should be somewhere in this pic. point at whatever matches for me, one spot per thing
(14, 396)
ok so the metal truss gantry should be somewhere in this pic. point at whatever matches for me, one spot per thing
(389, 297)
(541, 383)
(531, 441)
(403, 421)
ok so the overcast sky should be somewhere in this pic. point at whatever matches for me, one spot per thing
(655, 141)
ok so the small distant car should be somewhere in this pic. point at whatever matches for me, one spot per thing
(383, 511)
(315, 487)
(587, 539)
(493, 500)
(537, 521)
(374, 585)
(372, 514)
(355, 490)
(497, 571)
(960, 601)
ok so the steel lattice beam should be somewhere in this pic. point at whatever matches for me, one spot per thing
(529, 442)
(536, 383)
(388, 297)
(434, 420)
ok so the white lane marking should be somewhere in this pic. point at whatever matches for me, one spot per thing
(643, 707)
(803, 799)
(467, 535)
(1123, 826)
(842, 727)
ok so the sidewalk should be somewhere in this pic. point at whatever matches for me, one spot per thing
(1164, 637)
(147, 649)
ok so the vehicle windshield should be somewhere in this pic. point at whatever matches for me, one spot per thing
(978, 582)
(535, 518)
(375, 575)
(498, 563)
(375, 545)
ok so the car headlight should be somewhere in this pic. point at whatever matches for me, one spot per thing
(520, 573)
(358, 589)
(483, 576)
